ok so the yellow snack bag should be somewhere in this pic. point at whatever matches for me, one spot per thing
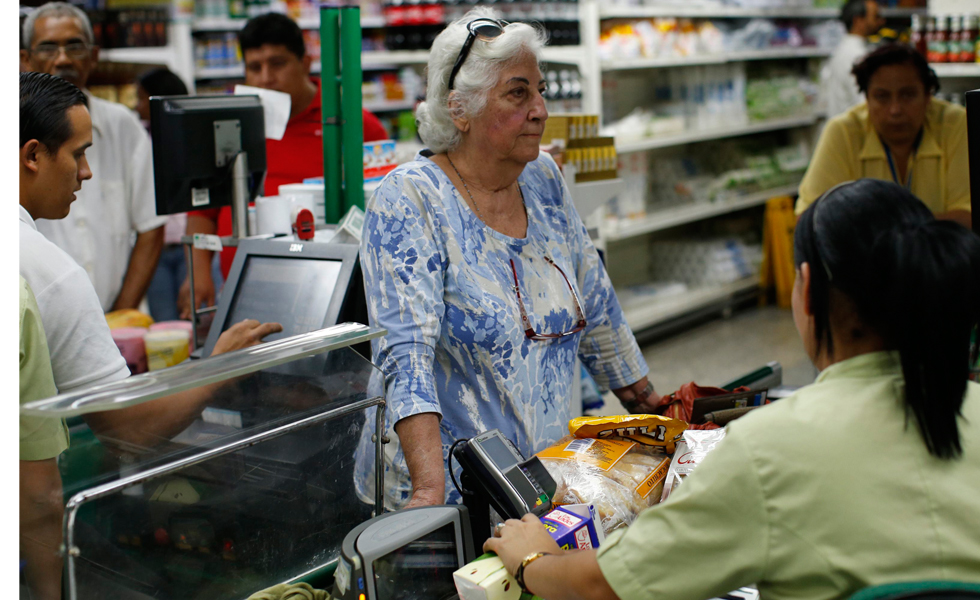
(649, 430)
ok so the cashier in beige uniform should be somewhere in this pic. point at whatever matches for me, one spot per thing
(869, 476)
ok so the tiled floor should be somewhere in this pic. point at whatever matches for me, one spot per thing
(721, 349)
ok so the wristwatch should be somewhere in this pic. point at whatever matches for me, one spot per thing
(633, 404)
(530, 558)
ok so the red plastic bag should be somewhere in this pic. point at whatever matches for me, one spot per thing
(680, 404)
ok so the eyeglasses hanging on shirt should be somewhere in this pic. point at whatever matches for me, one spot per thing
(528, 329)
(891, 162)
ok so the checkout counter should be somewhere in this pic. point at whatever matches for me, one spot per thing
(244, 482)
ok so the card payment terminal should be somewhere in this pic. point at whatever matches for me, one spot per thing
(496, 474)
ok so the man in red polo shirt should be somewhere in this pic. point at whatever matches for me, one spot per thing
(275, 59)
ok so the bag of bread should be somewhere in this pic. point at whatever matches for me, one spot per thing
(649, 430)
(619, 478)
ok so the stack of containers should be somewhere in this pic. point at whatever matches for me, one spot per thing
(149, 346)
(701, 263)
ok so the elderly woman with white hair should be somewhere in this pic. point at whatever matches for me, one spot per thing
(477, 264)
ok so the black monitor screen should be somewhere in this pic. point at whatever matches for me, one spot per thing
(295, 292)
(421, 570)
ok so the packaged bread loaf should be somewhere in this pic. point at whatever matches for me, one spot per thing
(619, 478)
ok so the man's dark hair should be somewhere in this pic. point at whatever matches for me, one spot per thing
(852, 10)
(894, 54)
(272, 28)
(912, 279)
(162, 82)
(44, 103)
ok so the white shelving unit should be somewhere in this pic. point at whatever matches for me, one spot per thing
(956, 69)
(680, 10)
(643, 315)
(690, 213)
(709, 59)
(668, 141)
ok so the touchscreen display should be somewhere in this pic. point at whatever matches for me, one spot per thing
(295, 292)
(420, 570)
(499, 452)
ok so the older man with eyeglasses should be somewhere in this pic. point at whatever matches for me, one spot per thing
(119, 202)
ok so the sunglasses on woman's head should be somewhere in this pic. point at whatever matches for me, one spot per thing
(485, 29)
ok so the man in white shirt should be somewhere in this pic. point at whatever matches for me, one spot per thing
(119, 201)
(861, 18)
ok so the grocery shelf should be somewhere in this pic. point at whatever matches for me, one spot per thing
(569, 55)
(230, 24)
(154, 55)
(590, 195)
(690, 213)
(377, 58)
(642, 315)
(715, 59)
(389, 105)
(630, 12)
(373, 59)
(956, 69)
(667, 141)
(233, 72)
(898, 12)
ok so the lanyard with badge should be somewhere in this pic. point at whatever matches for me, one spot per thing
(891, 161)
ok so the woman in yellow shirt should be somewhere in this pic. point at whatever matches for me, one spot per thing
(869, 476)
(900, 134)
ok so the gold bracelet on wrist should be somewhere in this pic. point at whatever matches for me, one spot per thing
(530, 558)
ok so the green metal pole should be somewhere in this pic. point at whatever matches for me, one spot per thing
(331, 113)
(353, 124)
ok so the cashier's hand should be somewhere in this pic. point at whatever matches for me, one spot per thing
(242, 335)
(519, 539)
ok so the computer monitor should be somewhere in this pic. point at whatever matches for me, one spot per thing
(973, 145)
(404, 555)
(304, 286)
(195, 142)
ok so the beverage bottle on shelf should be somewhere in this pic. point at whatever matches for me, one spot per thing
(553, 88)
(434, 17)
(968, 39)
(395, 25)
(941, 39)
(414, 24)
(953, 42)
(918, 35)
(930, 38)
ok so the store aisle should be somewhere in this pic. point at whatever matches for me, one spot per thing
(722, 349)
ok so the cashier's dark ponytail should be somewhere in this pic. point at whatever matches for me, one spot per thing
(913, 280)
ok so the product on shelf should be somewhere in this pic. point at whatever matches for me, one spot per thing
(947, 38)
(704, 262)
(677, 38)
(130, 27)
(563, 93)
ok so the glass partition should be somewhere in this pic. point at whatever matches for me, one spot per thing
(218, 478)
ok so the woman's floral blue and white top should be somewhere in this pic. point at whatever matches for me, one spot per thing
(441, 283)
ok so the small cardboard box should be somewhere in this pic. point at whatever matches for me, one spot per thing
(486, 579)
(573, 527)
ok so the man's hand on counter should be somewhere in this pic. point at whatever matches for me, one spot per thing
(639, 398)
(243, 335)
